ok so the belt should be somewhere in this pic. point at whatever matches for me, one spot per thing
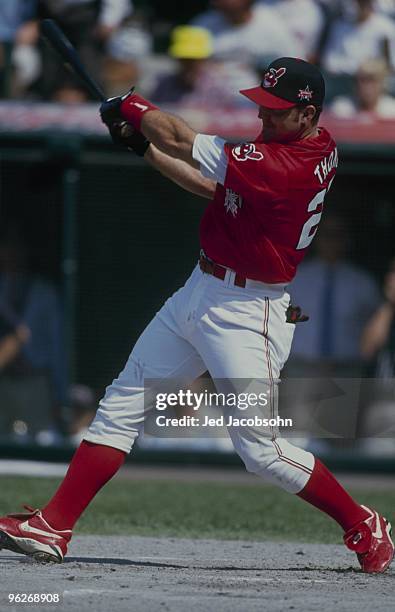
(210, 267)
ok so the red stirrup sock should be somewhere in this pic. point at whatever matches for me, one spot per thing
(91, 467)
(325, 493)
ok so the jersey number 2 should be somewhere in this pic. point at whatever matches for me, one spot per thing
(307, 234)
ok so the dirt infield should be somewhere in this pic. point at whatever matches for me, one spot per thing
(149, 574)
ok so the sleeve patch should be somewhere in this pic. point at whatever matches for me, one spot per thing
(246, 150)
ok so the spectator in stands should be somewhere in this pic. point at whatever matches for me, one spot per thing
(83, 404)
(305, 20)
(19, 60)
(126, 49)
(343, 299)
(199, 81)
(352, 40)
(70, 93)
(378, 339)
(328, 345)
(31, 345)
(348, 8)
(89, 25)
(370, 99)
(13, 336)
(387, 7)
(378, 346)
(246, 31)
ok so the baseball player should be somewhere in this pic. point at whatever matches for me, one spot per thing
(232, 317)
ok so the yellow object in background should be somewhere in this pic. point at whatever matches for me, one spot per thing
(189, 42)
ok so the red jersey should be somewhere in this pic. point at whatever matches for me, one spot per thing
(266, 214)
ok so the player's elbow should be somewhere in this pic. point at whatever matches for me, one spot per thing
(208, 189)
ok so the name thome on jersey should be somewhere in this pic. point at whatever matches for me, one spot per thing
(326, 165)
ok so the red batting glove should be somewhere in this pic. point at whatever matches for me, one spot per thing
(133, 109)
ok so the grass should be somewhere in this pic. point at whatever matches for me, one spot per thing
(193, 510)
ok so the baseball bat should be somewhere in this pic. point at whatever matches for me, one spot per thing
(52, 33)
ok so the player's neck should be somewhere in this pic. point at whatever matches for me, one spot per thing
(312, 132)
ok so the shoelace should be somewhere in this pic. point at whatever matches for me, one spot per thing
(30, 512)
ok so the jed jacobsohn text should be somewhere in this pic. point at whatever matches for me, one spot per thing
(228, 421)
(242, 401)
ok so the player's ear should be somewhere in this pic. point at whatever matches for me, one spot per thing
(308, 113)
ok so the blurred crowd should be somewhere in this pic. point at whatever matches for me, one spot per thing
(220, 47)
(36, 402)
(350, 335)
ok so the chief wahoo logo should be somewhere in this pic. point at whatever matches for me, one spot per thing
(246, 150)
(271, 77)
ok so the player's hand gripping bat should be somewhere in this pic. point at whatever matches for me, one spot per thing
(122, 133)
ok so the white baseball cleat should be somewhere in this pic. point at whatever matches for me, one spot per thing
(29, 534)
(371, 540)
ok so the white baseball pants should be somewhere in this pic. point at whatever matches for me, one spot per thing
(234, 333)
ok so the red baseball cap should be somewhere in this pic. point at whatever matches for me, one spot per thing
(288, 82)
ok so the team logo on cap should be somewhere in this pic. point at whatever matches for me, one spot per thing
(305, 94)
(271, 77)
(246, 150)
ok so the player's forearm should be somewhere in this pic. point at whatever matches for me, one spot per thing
(180, 173)
(170, 134)
(377, 330)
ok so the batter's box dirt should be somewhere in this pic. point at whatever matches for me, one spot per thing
(151, 574)
(159, 574)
